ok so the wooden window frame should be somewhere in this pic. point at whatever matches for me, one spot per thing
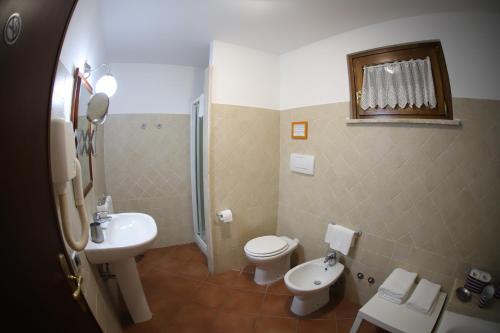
(419, 50)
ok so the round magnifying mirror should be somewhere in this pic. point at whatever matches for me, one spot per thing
(97, 109)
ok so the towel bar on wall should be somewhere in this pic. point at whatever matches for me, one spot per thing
(357, 233)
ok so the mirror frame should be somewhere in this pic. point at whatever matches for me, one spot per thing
(80, 80)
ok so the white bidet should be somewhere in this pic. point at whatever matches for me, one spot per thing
(310, 282)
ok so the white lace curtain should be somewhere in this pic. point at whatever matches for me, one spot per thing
(401, 83)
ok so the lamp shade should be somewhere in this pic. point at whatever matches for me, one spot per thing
(106, 84)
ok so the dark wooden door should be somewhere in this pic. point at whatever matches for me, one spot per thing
(35, 293)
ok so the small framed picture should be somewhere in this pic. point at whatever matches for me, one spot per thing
(299, 130)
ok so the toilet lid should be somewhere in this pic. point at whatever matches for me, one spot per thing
(266, 246)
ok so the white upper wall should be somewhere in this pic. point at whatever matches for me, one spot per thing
(317, 73)
(83, 43)
(244, 76)
(155, 88)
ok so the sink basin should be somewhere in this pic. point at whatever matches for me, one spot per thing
(125, 236)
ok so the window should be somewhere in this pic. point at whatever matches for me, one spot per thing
(408, 80)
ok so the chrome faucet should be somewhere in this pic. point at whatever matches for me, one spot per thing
(101, 217)
(331, 258)
(96, 229)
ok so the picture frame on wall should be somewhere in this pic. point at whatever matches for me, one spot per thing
(299, 130)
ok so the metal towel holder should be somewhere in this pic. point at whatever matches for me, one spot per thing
(357, 233)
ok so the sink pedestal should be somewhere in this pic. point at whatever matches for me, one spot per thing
(131, 289)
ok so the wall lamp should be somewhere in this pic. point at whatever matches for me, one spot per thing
(106, 83)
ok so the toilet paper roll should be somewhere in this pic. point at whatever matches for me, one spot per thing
(225, 215)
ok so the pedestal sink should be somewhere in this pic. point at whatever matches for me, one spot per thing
(125, 236)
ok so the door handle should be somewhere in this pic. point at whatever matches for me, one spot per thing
(75, 282)
(78, 279)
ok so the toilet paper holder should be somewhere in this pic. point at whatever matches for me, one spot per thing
(225, 215)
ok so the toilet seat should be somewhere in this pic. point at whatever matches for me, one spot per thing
(266, 246)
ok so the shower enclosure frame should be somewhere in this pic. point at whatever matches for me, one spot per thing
(198, 175)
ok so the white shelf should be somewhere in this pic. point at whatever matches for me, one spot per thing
(439, 122)
(397, 317)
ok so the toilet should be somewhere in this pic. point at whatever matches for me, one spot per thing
(271, 257)
(310, 283)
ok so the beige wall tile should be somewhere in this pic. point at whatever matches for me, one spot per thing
(148, 171)
(425, 197)
(244, 171)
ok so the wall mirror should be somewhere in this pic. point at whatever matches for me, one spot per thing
(82, 94)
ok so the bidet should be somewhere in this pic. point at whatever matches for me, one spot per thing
(310, 283)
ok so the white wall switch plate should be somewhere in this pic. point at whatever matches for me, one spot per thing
(302, 163)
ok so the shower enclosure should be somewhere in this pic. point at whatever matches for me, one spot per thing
(196, 138)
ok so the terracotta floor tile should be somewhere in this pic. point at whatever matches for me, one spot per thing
(317, 326)
(345, 309)
(211, 295)
(152, 258)
(198, 256)
(275, 325)
(147, 327)
(344, 326)
(279, 288)
(190, 327)
(152, 280)
(227, 322)
(172, 265)
(164, 305)
(166, 285)
(277, 305)
(185, 299)
(224, 279)
(243, 302)
(195, 270)
(192, 318)
(186, 251)
(162, 251)
(245, 281)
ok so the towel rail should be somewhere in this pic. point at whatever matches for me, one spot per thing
(357, 233)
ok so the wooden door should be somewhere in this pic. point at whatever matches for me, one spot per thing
(35, 294)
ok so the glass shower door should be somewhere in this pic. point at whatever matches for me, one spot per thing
(197, 116)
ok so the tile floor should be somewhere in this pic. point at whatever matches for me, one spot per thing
(185, 298)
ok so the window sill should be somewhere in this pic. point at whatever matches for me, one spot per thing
(438, 122)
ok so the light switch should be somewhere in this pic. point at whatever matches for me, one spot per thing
(302, 163)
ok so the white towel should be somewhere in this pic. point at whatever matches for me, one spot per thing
(424, 296)
(398, 284)
(339, 238)
(389, 298)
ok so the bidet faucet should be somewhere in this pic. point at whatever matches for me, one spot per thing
(331, 258)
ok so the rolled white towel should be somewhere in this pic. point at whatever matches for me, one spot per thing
(398, 284)
(424, 296)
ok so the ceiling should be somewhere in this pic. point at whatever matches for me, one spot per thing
(179, 31)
